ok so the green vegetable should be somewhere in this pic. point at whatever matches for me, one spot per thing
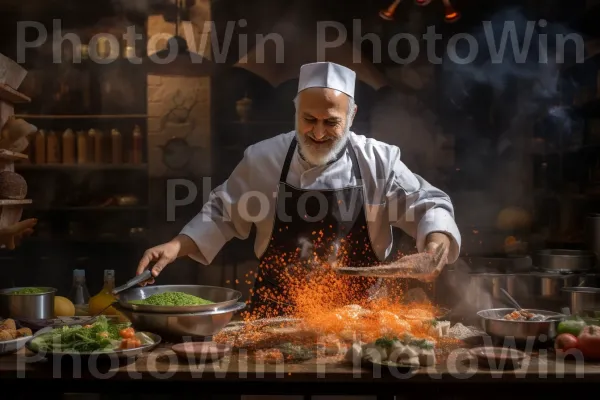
(386, 342)
(29, 290)
(422, 344)
(100, 336)
(572, 326)
(172, 299)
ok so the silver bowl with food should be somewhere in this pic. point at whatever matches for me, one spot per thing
(182, 326)
(521, 325)
(27, 303)
(177, 299)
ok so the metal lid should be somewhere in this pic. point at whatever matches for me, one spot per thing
(578, 289)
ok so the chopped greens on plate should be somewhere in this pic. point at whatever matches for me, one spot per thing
(101, 336)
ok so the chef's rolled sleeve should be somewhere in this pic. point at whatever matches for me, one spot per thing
(442, 221)
(418, 208)
(222, 217)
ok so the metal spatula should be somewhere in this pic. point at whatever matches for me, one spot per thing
(422, 266)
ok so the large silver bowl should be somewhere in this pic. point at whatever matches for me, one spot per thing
(220, 296)
(495, 325)
(181, 326)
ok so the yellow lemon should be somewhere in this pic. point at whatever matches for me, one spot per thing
(63, 307)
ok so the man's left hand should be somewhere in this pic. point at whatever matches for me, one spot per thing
(432, 243)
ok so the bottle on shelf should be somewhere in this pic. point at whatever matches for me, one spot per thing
(136, 156)
(82, 147)
(105, 297)
(117, 146)
(68, 147)
(80, 295)
(40, 147)
(52, 148)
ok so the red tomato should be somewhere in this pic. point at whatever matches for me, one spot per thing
(565, 342)
(127, 333)
(589, 342)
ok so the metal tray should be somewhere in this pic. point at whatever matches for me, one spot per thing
(222, 298)
(119, 354)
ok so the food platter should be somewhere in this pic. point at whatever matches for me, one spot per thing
(102, 339)
(12, 346)
(101, 354)
(13, 336)
(219, 296)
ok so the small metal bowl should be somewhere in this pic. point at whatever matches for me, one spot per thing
(35, 307)
(498, 358)
(179, 327)
(495, 325)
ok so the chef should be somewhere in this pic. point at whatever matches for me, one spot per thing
(320, 189)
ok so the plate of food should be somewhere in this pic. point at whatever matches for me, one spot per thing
(101, 338)
(12, 337)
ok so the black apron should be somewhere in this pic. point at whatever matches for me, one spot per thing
(308, 226)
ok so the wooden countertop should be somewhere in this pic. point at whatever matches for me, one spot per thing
(160, 372)
(162, 363)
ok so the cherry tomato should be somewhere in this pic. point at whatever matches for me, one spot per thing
(565, 342)
(130, 343)
(127, 333)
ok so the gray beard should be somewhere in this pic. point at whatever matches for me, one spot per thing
(320, 158)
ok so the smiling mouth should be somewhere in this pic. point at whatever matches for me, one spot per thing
(319, 141)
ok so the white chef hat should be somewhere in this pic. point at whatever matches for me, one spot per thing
(327, 75)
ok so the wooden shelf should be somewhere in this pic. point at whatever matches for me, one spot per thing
(81, 116)
(12, 156)
(11, 95)
(15, 202)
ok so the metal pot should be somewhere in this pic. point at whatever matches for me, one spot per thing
(582, 298)
(548, 285)
(495, 325)
(568, 261)
(39, 306)
(485, 287)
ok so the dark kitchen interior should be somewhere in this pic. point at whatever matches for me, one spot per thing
(512, 137)
(514, 142)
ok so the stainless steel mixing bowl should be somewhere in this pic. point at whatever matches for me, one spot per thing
(495, 325)
(181, 326)
(220, 296)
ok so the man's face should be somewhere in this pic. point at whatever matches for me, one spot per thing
(323, 120)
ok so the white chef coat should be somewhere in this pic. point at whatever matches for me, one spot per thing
(394, 196)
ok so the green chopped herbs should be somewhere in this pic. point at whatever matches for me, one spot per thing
(29, 290)
(172, 299)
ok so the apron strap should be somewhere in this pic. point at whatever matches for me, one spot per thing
(290, 154)
(288, 161)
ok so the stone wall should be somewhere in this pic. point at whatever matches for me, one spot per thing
(180, 106)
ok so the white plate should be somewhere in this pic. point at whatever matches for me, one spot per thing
(12, 346)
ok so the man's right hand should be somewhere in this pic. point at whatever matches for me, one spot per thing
(161, 255)
(165, 254)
